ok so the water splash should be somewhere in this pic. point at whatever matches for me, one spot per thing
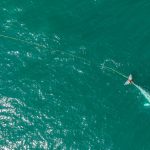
(143, 92)
(108, 62)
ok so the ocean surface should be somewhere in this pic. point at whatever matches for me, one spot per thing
(55, 93)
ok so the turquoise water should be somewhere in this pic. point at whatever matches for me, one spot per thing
(55, 95)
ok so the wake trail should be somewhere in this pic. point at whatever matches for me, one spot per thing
(143, 92)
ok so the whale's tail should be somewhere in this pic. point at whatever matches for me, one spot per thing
(129, 81)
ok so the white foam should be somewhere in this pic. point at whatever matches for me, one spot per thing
(147, 104)
(108, 62)
(78, 70)
(143, 92)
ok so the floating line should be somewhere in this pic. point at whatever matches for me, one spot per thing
(43, 46)
(117, 72)
(23, 41)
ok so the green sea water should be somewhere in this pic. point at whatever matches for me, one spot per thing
(56, 95)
